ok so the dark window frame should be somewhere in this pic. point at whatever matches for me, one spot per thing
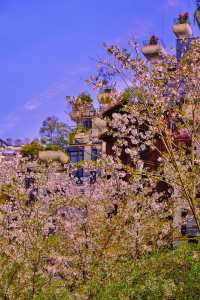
(87, 123)
(76, 155)
(95, 154)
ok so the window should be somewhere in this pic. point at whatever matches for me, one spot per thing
(95, 154)
(93, 177)
(79, 175)
(76, 155)
(87, 123)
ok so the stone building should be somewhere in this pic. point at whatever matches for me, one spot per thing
(84, 142)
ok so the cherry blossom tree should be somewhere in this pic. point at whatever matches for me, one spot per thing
(53, 231)
(56, 232)
(161, 120)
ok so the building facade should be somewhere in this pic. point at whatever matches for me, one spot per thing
(84, 142)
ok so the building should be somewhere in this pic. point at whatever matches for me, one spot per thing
(3, 143)
(8, 152)
(84, 142)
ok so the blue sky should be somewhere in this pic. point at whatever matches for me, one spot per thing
(48, 48)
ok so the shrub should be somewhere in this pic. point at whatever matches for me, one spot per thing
(85, 98)
(183, 18)
(169, 274)
(72, 134)
(52, 147)
(153, 40)
(31, 150)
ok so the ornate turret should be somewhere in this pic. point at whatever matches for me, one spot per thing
(83, 113)
(82, 109)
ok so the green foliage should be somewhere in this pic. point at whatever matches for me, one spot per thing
(153, 40)
(72, 134)
(25, 280)
(170, 274)
(139, 94)
(31, 150)
(54, 132)
(71, 138)
(56, 291)
(85, 98)
(52, 147)
(105, 100)
(183, 18)
(5, 193)
(127, 95)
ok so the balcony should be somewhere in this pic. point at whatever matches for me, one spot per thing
(82, 138)
(79, 135)
(182, 28)
(81, 112)
(153, 49)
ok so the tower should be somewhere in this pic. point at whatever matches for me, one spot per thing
(84, 143)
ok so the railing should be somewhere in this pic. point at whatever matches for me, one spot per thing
(190, 39)
(148, 43)
(177, 21)
(78, 113)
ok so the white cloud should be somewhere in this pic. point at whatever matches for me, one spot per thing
(45, 96)
(12, 120)
(40, 102)
(31, 106)
(173, 3)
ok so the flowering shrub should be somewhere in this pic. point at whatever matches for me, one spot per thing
(55, 233)
(183, 18)
(82, 99)
(31, 150)
(85, 98)
(151, 129)
(72, 134)
(153, 40)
